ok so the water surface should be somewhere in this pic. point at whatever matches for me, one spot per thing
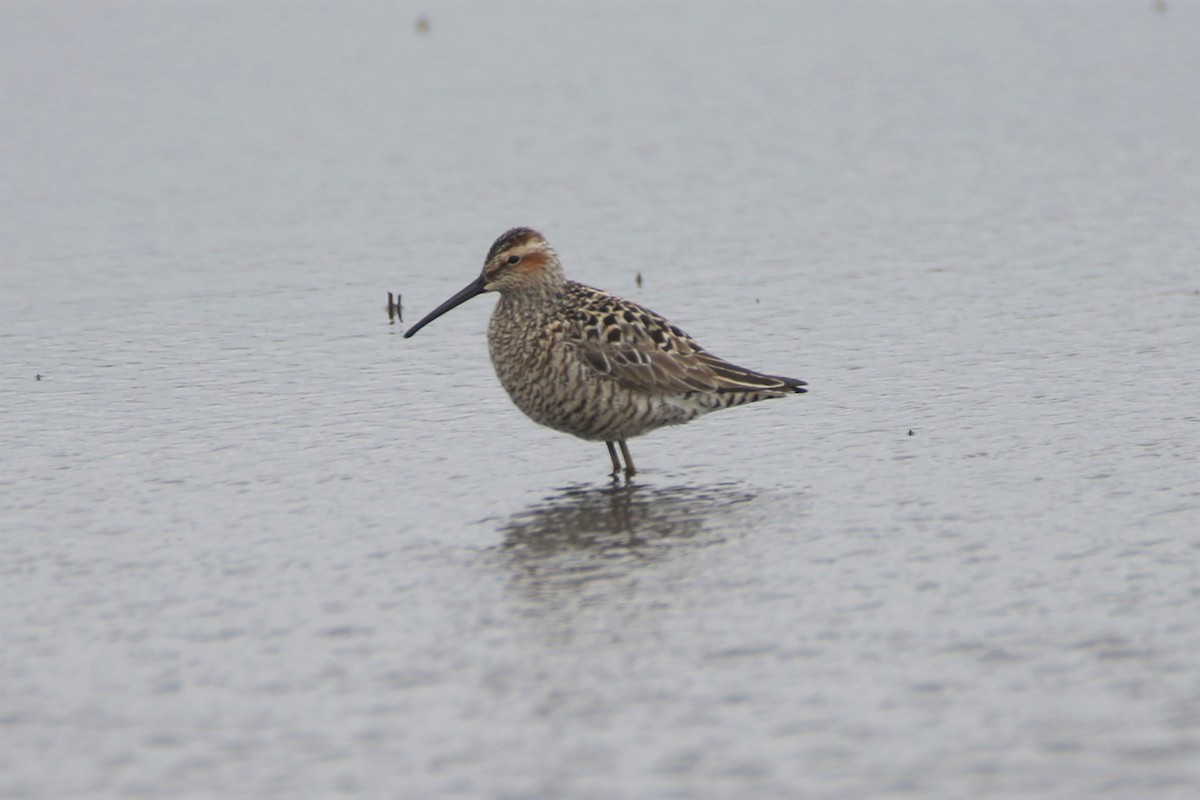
(255, 544)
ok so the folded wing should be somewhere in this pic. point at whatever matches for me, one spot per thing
(642, 350)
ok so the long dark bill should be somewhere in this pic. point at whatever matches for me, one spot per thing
(473, 288)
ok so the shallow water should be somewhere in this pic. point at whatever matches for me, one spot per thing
(256, 544)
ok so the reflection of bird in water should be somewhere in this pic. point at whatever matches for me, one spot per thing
(580, 533)
(594, 365)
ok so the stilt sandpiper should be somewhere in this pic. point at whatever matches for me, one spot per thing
(591, 364)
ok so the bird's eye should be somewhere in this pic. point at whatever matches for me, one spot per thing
(513, 259)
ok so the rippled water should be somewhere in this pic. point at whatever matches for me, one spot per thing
(255, 544)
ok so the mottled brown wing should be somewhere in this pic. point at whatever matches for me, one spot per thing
(642, 350)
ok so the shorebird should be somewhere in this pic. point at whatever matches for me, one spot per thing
(589, 363)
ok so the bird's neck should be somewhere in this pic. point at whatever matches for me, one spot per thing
(542, 299)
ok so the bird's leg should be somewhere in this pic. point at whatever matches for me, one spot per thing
(612, 453)
(629, 470)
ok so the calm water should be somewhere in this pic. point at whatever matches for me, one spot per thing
(254, 544)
